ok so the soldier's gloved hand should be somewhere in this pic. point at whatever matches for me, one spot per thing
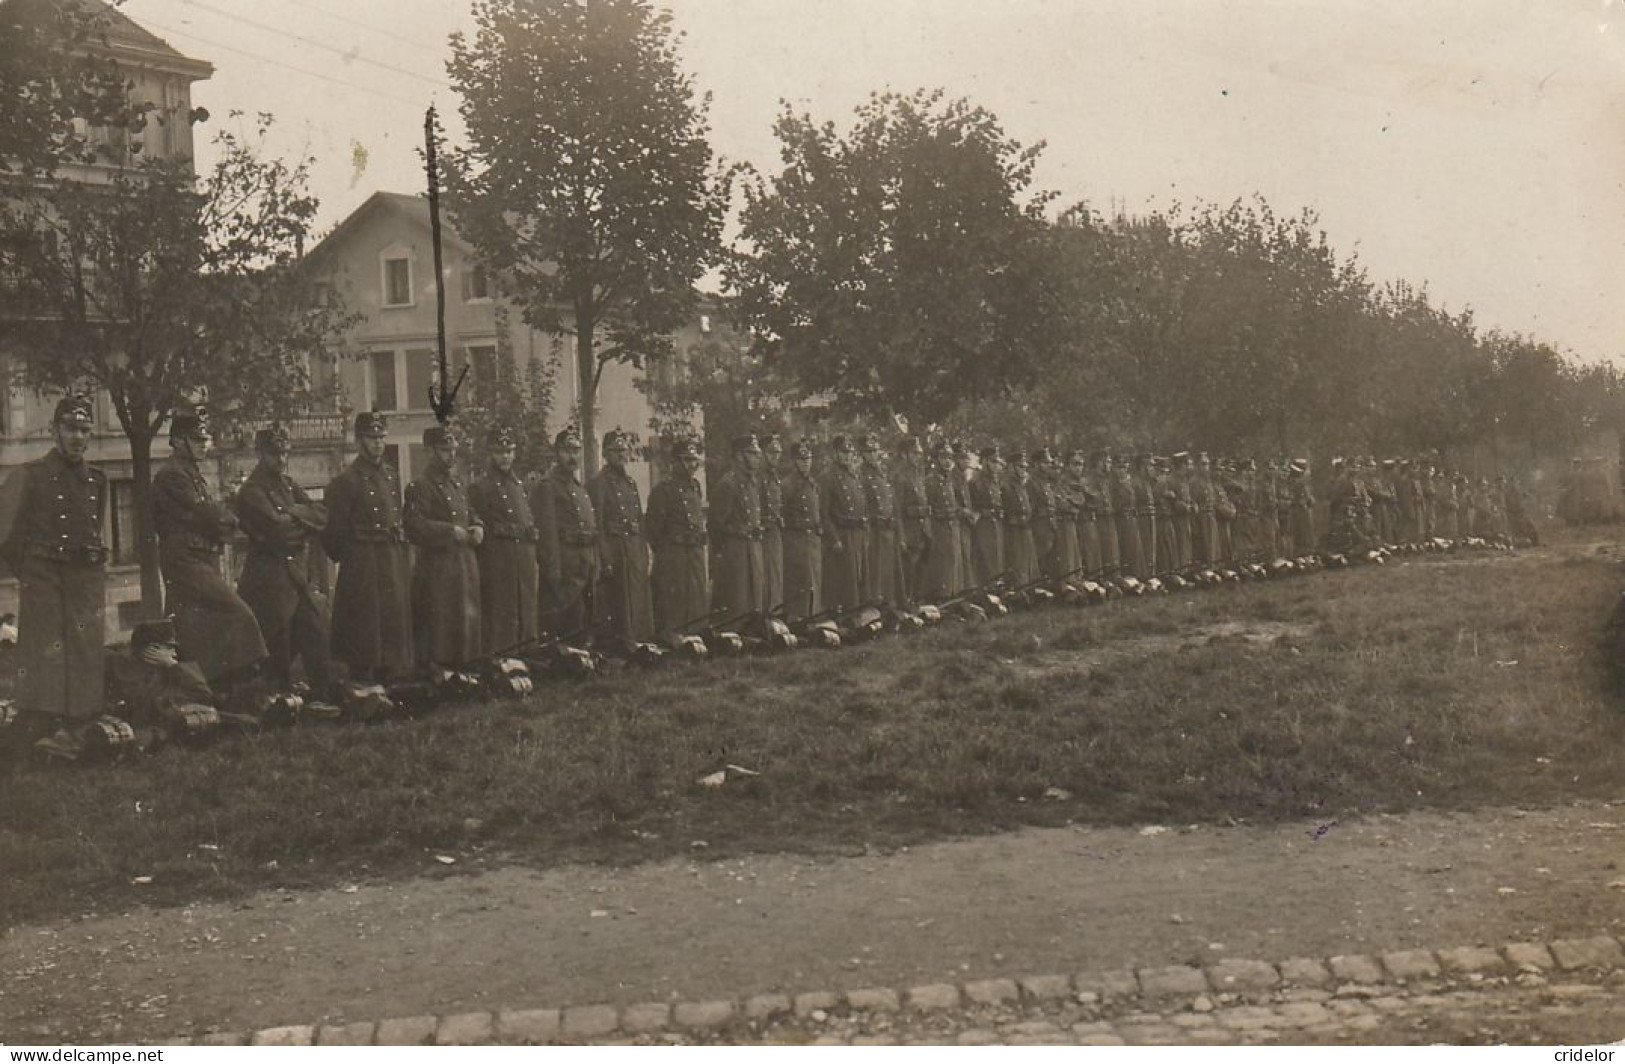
(459, 534)
(477, 534)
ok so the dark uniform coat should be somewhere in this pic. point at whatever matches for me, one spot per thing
(1020, 559)
(623, 601)
(739, 582)
(1045, 523)
(883, 569)
(1090, 506)
(281, 522)
(914, 532)
(846, 515)
(54, 548)
(967, 530)
(508, 578)
(771, 487)
(940, 577)
(213, 626)
(566, 552)
(446, 579)
(1066, 557)
(676, 525)
(987, 535)
(1133, 553)
(1168, 547)
(372, 606)
(803, 547)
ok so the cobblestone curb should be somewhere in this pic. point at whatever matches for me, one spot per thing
(1310, 989)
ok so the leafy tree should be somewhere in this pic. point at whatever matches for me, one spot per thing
(51, 73)
(588, 182)
(514, 395)
(154, 287)
(898, 267)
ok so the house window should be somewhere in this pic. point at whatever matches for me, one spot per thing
(383, 381)
(123, 523)
(421, 364)
(392, 455)
(398, 282)
(476, 285)
(482, 373)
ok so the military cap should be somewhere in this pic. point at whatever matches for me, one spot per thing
(1299, 465)
(961, 449)
(155, 633)
(1338, 462)
(840, 445)
(438, 436)
(1018, 457)
(908, 445)
(568, 438)
(771, 440)
(617, 439)
(273, 437)
(1388, 463)
(502, 438)
(801, 449)
(745, 443)
(992, 450)
(685, 448)
(868, 443)
(74, 409)
(371, 423)
(941, 447)
(1181, 456)
(188, 422)
(1077, 453)
(1042, 455)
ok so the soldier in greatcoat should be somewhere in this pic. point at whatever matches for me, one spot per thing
(372, 605)
(846, 516)
(216, 628)
(1167, 552)
(1301, 500)
(1043, 522)
(1067, 555)
(281, 523)
(1133, 504)
(566, 541)
(770, 485)
(447, 533)
(914, 531)
(623, 602)
(507, 554)
(738, 583)
(677, 535)
(882, 578)
(1111, 548)
(803, 536)
(364, 535)
(1020, 557)
(53, 545)
(987, 499)
(964, 469)
(1086, 488)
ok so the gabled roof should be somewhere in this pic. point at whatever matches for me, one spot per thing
(114, 33)
(410, 211)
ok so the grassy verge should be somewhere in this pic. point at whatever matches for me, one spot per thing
(1449, 682)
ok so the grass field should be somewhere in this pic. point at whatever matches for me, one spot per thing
(1445, 682)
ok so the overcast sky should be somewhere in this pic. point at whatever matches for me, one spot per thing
(1474, 145)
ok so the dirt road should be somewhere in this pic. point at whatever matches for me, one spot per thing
(1034, 901)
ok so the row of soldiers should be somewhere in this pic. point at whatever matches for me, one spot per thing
(1402, 501)
(453, 570)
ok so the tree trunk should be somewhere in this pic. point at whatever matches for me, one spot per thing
(146, 539)
(587, 376)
